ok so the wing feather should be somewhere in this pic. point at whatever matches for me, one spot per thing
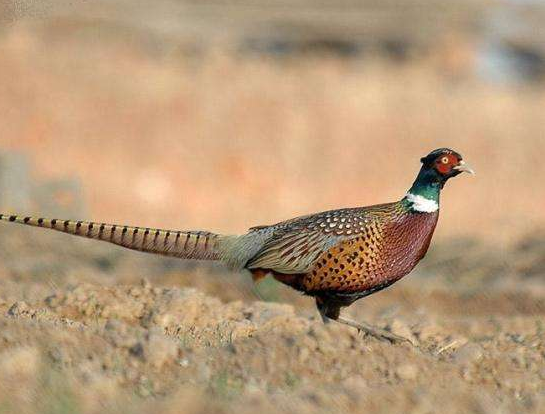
(293, 252)
(293, 246)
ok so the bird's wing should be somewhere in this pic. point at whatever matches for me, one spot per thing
(292, 252)
(295, 245)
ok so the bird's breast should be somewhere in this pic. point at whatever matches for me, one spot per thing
(379, 257)
(406, 241)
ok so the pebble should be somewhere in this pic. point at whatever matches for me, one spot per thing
(407, 372)
(355, 386)
(468, 354)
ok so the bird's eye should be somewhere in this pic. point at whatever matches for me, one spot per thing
(444, 160)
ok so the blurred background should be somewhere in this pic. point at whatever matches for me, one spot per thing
(225, 114)
(222, 115)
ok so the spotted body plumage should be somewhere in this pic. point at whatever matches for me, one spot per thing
(347, 253)
(381, 254)
(336, 256)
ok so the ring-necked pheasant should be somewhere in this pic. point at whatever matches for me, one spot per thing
(336, 256)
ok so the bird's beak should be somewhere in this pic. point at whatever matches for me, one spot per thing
(463, 167)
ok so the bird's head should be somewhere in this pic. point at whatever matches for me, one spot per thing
(442, 164)
(437, 167)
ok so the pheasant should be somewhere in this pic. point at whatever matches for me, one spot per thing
(336, 256)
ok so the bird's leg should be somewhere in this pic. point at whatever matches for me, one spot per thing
(325, 319)
(327, 310)
(330, 311)
(373, 331)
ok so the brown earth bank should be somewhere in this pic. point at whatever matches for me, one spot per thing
(88, 328)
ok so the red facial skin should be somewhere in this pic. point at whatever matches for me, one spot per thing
(445, 163)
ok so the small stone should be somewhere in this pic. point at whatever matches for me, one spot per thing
(468, 354)
(162, 320)
(137, 350)
(355, 386)
(407, 372)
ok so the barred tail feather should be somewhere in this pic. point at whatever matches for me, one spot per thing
(200, 245)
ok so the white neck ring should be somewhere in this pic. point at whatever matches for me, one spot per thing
(422, 204)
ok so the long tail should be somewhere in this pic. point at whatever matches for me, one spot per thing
(201, 245)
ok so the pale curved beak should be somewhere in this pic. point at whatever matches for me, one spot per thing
(463, 167)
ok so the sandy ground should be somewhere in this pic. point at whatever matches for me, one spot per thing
(86, 327)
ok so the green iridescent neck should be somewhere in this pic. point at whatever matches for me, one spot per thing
(427, 184)
(426, 188)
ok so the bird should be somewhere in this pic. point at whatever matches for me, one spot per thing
(336, 256)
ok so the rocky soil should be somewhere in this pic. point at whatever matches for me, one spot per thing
(89, 328)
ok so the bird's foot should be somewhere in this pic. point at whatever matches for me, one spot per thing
(375, 332)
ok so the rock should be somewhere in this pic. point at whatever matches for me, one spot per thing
(137, 350)
(468, 354)
(355, 386)
(407, 372)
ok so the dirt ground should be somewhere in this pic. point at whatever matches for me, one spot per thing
(87, 328)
